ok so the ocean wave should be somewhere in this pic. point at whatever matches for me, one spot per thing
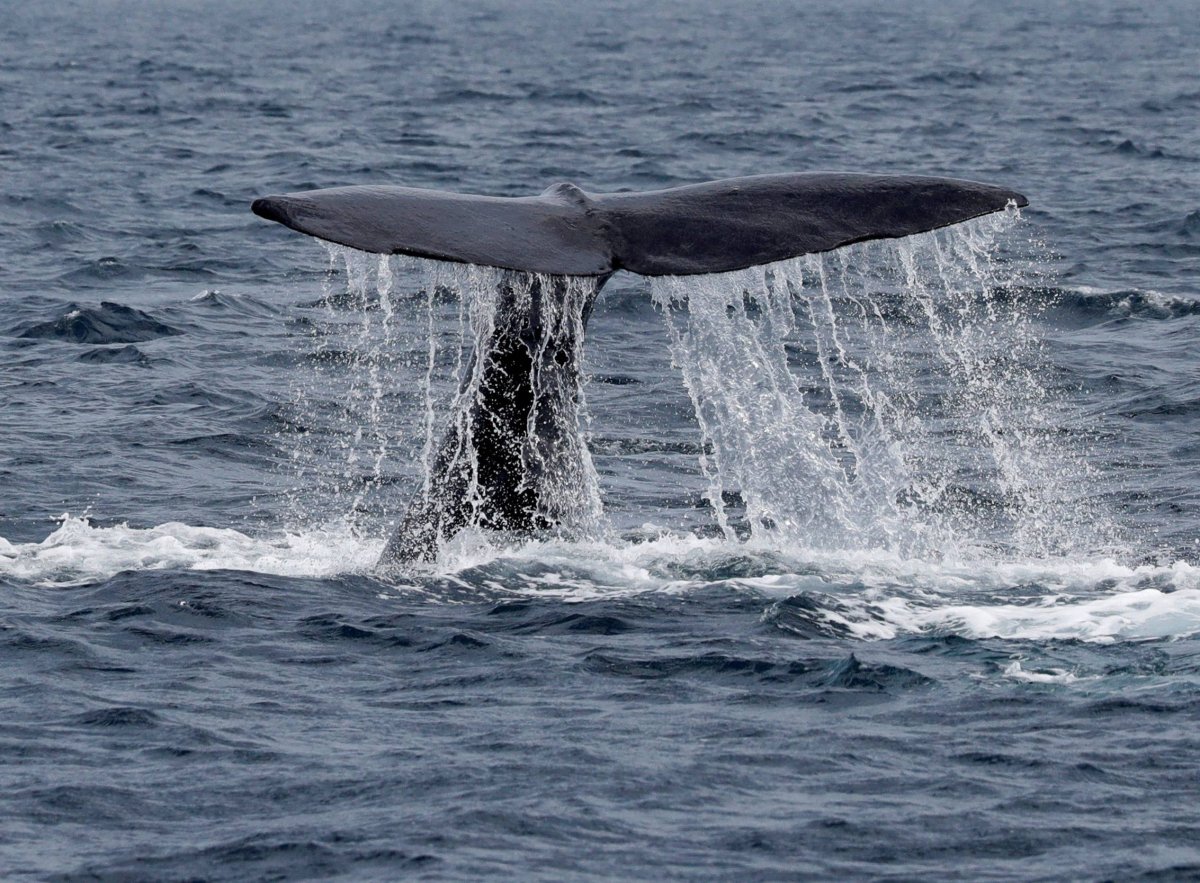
(215, 299)
(115, 355)
(107, 323)
(1125, 303)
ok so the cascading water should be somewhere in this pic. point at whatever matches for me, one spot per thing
(886, 396)
(396, 370)
(883, 396)
(346, 434)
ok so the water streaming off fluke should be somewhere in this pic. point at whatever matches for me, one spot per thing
(408, 366)
(891, 395)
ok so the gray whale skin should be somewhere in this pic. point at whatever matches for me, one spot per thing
(715, 227)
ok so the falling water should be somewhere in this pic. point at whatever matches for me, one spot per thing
(349, 430)
(890, 395)
(398, 352)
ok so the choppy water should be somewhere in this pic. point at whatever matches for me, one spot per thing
(961, 641)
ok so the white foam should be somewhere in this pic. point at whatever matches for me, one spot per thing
(1120, 616)
(1015, 672)
(869, 595)
(878, 595)
(80, 552)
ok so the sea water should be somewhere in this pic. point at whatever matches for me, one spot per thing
(895, 570)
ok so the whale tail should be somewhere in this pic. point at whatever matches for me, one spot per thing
(512, 439)
(715, 227)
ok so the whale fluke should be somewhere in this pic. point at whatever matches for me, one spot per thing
(715, 227)
(514, 430)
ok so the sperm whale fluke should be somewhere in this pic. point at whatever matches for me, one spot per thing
(715, 227)
(565, 232)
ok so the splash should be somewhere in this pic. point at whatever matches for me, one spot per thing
(889, 395)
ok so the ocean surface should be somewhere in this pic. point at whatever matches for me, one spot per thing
(898, 575)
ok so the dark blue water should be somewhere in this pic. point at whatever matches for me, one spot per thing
(206, 433)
